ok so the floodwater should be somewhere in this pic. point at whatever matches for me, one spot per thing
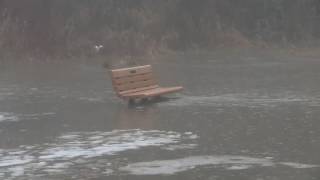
(250, 116)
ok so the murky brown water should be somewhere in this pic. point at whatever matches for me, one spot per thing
(242, 116)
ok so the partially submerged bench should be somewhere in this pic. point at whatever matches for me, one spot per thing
(138, 83)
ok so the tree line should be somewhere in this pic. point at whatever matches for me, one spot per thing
(127, 27)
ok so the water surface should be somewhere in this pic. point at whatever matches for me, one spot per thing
(241, 116)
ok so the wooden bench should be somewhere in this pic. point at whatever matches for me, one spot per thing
(138, 83)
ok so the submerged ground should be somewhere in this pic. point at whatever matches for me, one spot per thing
(252, 116)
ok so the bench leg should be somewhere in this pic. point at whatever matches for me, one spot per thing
(134, 101)
(131, 101)
(157, 98)
(143, 100)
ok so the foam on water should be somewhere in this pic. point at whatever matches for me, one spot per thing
(92, 99)
(11, 117)
(6, 92)
(298, 165)
(169, 167)
(80, 148)
(4, 116)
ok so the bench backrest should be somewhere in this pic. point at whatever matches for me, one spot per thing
(133, 79)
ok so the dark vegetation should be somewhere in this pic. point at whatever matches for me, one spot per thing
(71, 28)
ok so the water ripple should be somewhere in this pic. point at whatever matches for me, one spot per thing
(246, 100)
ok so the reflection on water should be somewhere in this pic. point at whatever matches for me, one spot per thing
(142, 117)
(73, 149)
(169, 167)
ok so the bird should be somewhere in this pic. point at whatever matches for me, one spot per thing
(98, 47)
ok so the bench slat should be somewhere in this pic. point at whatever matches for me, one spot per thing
(134, 85)
(138, 89)
(129, 79)
(118, 73)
